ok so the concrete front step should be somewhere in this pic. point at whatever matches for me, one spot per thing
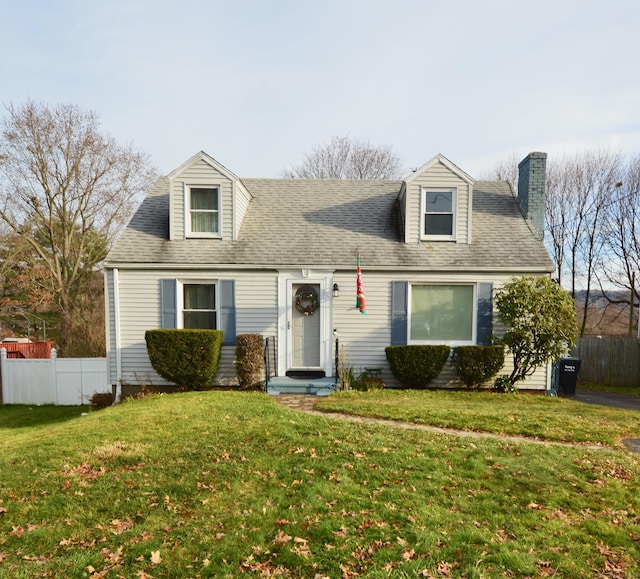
(285, 385)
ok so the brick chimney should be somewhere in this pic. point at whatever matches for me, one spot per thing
(532, 188)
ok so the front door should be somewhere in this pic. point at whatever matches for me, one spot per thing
(305, 326)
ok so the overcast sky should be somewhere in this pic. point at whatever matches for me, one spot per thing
(256, 84)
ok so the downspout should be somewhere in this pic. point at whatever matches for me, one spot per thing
(116, 328)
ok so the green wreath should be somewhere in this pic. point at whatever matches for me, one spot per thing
(307, 300)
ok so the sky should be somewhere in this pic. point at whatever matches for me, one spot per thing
(257, 84)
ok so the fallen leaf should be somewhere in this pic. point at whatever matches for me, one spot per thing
(341, 533)
(408, 554)
(17, 530)
(281, 538)
(156, 559)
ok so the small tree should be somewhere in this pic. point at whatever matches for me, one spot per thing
(541, 320)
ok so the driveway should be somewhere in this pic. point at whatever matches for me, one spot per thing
(607, 399)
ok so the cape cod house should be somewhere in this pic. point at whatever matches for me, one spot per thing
(277, 257)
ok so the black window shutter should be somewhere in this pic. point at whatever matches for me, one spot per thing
(485, 314)
(228, 310)
(399, 313)
(168, 307)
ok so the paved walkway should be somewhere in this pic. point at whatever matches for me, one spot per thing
(308, 403)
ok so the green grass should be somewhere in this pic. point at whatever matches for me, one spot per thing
(222, 484)
(19, 416)
(627, 390)
(544, 417)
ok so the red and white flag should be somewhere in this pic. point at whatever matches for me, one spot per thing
(360, 291)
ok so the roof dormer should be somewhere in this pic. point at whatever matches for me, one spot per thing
(207, 201)
(435, 202)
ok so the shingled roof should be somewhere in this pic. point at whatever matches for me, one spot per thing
(323, 223)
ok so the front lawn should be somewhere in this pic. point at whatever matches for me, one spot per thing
(532, 415)
(223, 484)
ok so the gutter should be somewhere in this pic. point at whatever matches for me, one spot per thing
(371, 268)
(118, 340)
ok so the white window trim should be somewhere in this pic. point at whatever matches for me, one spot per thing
(180, 283)
(452, 343)
(187, 210)
(423, 212)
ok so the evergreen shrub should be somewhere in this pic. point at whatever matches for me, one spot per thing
(417, 365)
(250, 360)
(188, 358)
(476, 365)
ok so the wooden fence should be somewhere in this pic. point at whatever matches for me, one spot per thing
(61, 381)
(27, 349)
(609, 361)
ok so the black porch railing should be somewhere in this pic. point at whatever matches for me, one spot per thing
(337, 362)
(269, 360)
(267, 364)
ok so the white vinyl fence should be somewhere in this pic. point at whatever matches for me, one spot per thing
(60, 381)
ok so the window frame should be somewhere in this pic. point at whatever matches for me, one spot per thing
(474, 313)
(180, 300)
(188, 211)
(423, 213)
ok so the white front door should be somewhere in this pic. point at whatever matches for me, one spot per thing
(305, 325)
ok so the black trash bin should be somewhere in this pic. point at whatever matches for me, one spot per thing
(568, 369)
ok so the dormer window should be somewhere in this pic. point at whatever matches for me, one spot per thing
(202, 211)
(438, 214)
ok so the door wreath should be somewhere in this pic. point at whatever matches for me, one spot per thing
(306, 300)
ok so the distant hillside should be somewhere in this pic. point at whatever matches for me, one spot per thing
(606, 318)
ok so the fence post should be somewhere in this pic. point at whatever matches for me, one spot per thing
(54, 374)
(3, 357)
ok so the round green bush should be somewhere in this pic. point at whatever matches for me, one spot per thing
(416, 366)
(476, 365)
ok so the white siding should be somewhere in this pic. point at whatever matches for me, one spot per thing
(242, 200)
(442, 177)
(256, 312)
(364, 338)
(110, 337)
(201, 173)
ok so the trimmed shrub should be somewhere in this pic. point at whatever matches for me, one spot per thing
(250, 360)
(188, 358)
(416, 366)
(476, 365)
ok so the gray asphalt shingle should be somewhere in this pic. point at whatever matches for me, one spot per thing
(306, 223)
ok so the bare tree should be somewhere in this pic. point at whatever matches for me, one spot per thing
(66, 190)
(622, 233)
(596, 181)
(588, 232)
(347, 158)
(505, 169)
